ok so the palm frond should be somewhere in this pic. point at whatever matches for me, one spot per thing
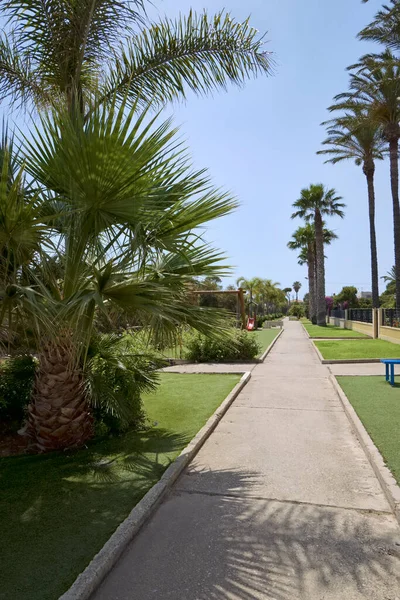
(197, 53)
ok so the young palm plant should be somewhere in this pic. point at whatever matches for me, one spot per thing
(303, 239)
(126, 205)
(86, 52)
(375, 86)
(355, 136)
(314, 203)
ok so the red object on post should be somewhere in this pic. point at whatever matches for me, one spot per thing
(250, 324)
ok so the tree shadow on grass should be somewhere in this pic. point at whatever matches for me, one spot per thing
(225, 545)
(57, 510)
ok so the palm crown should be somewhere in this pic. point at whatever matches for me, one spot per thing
(318, 199)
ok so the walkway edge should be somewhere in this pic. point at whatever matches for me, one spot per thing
(272, 344)
(90, 579)
(343, 361)
(383, 474)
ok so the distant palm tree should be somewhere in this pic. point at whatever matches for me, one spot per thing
(356, 136)
(88, 52)
(375, 85)
(250, 285)
(314, 203)
(303, 239)
(296, 287)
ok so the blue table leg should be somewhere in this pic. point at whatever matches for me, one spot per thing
(391, 374)
(387, 371)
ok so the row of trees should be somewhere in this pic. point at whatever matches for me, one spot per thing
(315, 203)
(366, 128)
(266, 293)
(100, 208)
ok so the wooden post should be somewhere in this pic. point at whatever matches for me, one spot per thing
(242, 309)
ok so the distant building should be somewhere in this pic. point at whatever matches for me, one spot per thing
(366, 295)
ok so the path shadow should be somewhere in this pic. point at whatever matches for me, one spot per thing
(223, 546)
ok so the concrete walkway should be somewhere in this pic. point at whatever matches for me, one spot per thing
(280, 503)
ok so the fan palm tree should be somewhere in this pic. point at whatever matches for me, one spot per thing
(355, 136)
(86, 52)
(314, 203)
(296, 286)
(375, 85)
(303, 239)
(122, 204)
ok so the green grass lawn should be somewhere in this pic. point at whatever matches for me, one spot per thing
(378, 405)
(331, 331)
(57, 510)
(343, 349)
(265, 337)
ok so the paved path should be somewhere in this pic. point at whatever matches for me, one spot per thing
(280, 503)
(211, 368)
(361, 369)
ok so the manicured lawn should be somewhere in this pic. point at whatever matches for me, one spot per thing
(265, 337)
(57, 510)
(343, 349)
(331, 331)
(378, 405)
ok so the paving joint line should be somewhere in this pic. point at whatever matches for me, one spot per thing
(338, 409)
(279, 500)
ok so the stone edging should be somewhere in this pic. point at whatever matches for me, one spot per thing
(343, 361)
(385, 477)
(272, 344)
(89, 580)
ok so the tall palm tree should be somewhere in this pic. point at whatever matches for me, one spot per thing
(314, 203)
(296, 286)
(122, 205)
(303, 239)
(375, 85)
(84, 53)
(355, 136)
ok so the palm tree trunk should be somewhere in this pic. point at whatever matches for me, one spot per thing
(372, 235)
(320, 268)
(58, 415)
(394, 183)
(311, 285)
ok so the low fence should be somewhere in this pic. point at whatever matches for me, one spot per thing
(376, 323)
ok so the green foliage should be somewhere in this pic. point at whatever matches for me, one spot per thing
(347, 294)
(297, 310)
(16, 382)
(119, 370)
(240, 345)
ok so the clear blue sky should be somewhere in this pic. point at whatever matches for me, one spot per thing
(260, 142)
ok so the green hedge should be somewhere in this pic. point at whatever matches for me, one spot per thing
(241, 345)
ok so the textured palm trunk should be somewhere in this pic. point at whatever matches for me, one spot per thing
(311, 286)
(58, 415)
(394, 182)
(320, 270)
(369, 171)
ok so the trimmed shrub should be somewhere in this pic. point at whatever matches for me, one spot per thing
(241, 345)
(297, 310)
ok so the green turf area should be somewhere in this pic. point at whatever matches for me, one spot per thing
(331, 331)
(265, 337)
(57, 510)
(346, 349)
(378, 405)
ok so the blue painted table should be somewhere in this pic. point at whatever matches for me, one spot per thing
(389, 363)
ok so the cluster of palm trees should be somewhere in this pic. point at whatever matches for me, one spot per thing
(264, 292)
(100, 208)
(315, 203)
(366, 127)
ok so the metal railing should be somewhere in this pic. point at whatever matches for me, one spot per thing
(391, 317)
(338, 313)
(360, 314)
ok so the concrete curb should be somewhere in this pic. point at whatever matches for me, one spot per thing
(385, 477)
(272, 344)
(330, 339)
(89, 580)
